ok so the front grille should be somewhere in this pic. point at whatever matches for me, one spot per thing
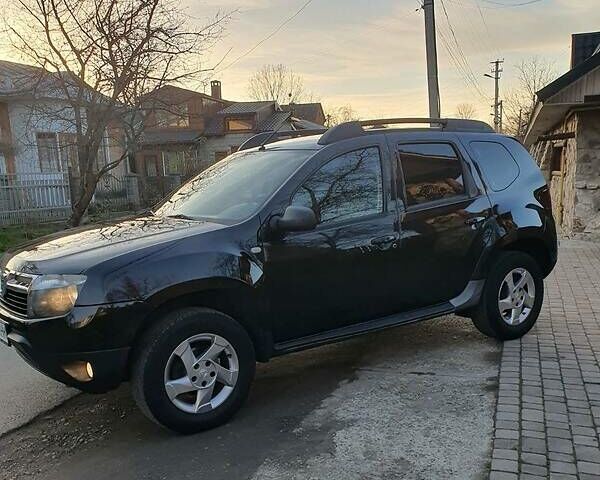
(15, 300)
(14, 291)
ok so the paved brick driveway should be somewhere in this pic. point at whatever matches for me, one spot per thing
(547, 421)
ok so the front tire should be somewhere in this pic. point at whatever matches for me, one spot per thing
(512, 297)
(192, 370)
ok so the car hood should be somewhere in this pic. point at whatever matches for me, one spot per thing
(75, 250)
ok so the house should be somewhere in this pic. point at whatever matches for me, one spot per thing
(238, 122)
(170, 146)
(38, 152)
(188, 131)
(563, 135)
(312, 112)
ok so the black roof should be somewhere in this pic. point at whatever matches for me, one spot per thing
(568, 78)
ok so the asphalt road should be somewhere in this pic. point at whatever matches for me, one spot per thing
(415, 402)
(24, 392)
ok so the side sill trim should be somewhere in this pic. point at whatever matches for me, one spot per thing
(343, 333)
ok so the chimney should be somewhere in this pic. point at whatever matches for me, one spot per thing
(215, 89)
(583, 46)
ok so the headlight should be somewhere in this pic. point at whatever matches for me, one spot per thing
(54, 295)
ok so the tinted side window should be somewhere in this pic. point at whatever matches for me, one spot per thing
(348, 186)
(497, 164)
(432, 171)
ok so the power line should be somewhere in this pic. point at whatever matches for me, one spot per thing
(267, 38)
(497, 5)
(468, 81)
(485, 24)
(461, 57)
(478, 38)
(459, 49)
(521, 4)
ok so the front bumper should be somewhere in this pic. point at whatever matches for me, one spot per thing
(109, 366)
(52, 347)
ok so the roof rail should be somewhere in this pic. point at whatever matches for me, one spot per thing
(355, 128)
(272, 136)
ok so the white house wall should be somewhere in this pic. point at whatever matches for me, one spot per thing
(25, 125)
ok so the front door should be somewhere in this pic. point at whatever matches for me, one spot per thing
(442, 224)
(338, 273)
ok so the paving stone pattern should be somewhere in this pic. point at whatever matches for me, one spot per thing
(547, 421)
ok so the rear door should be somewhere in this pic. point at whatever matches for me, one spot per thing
(442, 223)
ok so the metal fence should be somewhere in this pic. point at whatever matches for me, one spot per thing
(27, 198)
(117, 193)
(34, 197)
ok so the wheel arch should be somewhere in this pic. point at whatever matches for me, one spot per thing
(534, 246)
(232, 297)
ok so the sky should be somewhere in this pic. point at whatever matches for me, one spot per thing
(370, 54)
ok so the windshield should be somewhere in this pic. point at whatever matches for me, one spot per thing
(234, 188)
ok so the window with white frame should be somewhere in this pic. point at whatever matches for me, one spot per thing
(48, 156)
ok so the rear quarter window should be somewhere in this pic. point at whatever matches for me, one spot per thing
(497, 165)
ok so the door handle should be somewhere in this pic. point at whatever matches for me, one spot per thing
(474, 221)
(384, 240)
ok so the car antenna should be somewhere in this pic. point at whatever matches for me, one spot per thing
(275, 132)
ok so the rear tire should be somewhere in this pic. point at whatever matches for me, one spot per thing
(504, 312)
(192, 370)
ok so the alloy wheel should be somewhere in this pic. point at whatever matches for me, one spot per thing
(516, 296)
(201, 373)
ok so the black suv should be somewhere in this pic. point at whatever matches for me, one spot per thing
(282, 246)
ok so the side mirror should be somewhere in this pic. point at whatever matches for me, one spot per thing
(295, 219)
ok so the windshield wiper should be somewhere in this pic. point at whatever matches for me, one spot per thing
(182, 216)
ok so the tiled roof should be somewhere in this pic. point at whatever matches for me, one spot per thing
(19, 78)
(274, 122)
(277, 120)
(172, 91)
(245, 107)
(313, 112)
(162, 137)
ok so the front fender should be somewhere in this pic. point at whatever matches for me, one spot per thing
(159, 276)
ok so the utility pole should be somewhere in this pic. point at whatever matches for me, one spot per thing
(501, 116)
(519, 125)
(432, 65)
(496, 71)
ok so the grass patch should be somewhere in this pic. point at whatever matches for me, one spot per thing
(10, 237)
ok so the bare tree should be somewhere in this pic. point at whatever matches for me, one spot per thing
(101, 59)
(532, 75)
(340, 114)
(279, 83)
(466, 111)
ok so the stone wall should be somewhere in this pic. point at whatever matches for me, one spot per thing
(569, 168)
(561, 181)
(587, 174)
